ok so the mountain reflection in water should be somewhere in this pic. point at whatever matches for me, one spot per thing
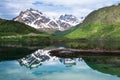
(110, 65)
(39, 65)
(39, 57)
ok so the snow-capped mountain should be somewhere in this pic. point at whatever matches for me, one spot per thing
(70, 19)
(40, 21)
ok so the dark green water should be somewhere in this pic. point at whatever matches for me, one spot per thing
(32, 62)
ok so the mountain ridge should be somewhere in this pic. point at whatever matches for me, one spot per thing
(103, 23)
(40, 21)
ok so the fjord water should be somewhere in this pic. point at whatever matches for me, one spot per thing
(37, 64)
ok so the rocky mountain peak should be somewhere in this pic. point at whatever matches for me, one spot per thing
(70, 19)
(40, 21)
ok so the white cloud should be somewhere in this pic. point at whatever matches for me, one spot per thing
(11, 8)
(77, 2)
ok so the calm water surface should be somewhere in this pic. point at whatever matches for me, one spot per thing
(37, 64)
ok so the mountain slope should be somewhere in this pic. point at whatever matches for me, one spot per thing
(9, 27)
(100, 24)
(40, 21)
(62, 33)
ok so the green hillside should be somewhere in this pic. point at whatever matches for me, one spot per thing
(9, 27)
(16, 31)
(100, 24)
(62, 33)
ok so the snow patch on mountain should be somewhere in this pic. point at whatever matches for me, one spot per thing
(38, 20)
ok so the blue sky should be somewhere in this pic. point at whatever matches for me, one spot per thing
(53, 8)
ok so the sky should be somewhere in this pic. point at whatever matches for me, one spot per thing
(9, 9)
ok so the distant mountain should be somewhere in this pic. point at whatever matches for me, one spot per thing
(69, 19)
(103, 23)
(9, 27)
(40, 21)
